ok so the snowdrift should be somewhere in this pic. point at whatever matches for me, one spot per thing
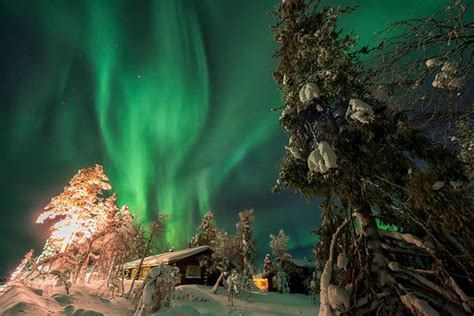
(24, 300)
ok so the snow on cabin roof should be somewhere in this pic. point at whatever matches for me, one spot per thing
(167, 257)
(302, 263)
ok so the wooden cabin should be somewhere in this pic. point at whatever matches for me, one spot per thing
(187, 260)
(300, 272)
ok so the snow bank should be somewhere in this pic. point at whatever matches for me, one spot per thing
(83, 301)
(22, 300)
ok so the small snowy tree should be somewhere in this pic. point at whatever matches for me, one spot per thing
(279, 246)
(267, 263)
(206, 232)
(234, 284)
(246, 246)
(158, 289)
(225, 252)
(281, 280)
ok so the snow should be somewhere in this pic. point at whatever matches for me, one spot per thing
(418, 306)
(307, 94)
(24, 300)
(188, 300)
(432, 62)
(167, 257)
(322, 158)
(360, 111)
(200, 299)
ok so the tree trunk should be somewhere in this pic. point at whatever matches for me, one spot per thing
(111, 268)
(139, 268)
(88, 280)
(122, 280)
(81, 263)
(216, 286)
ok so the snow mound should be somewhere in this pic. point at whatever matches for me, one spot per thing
(22, 300)
(191, 294)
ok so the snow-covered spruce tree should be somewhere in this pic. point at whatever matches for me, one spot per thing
(369, 162)
(279, 246)
(233, 285)
(267, 263)
(225, 252)
(207, 235)
(246, 246)
(281, 280)
(206, 232)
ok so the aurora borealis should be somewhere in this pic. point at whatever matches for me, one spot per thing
(173, 97)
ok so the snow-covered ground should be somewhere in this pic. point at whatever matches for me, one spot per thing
(198, 300)
(23, 300)
(189, 300)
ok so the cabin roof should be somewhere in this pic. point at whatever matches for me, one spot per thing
(167, 257)
(302, 263)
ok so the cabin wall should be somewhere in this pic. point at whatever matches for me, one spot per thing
(191, 266)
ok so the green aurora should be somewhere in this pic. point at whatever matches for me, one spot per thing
(172, 96)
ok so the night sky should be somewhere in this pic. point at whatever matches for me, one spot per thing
(172, 97)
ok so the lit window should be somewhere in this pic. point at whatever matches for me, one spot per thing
(193, 272)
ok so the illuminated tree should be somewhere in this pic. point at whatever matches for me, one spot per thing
(82, 215)
(369, 161)
(112, 247)
(85, 248)
(80, 210)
